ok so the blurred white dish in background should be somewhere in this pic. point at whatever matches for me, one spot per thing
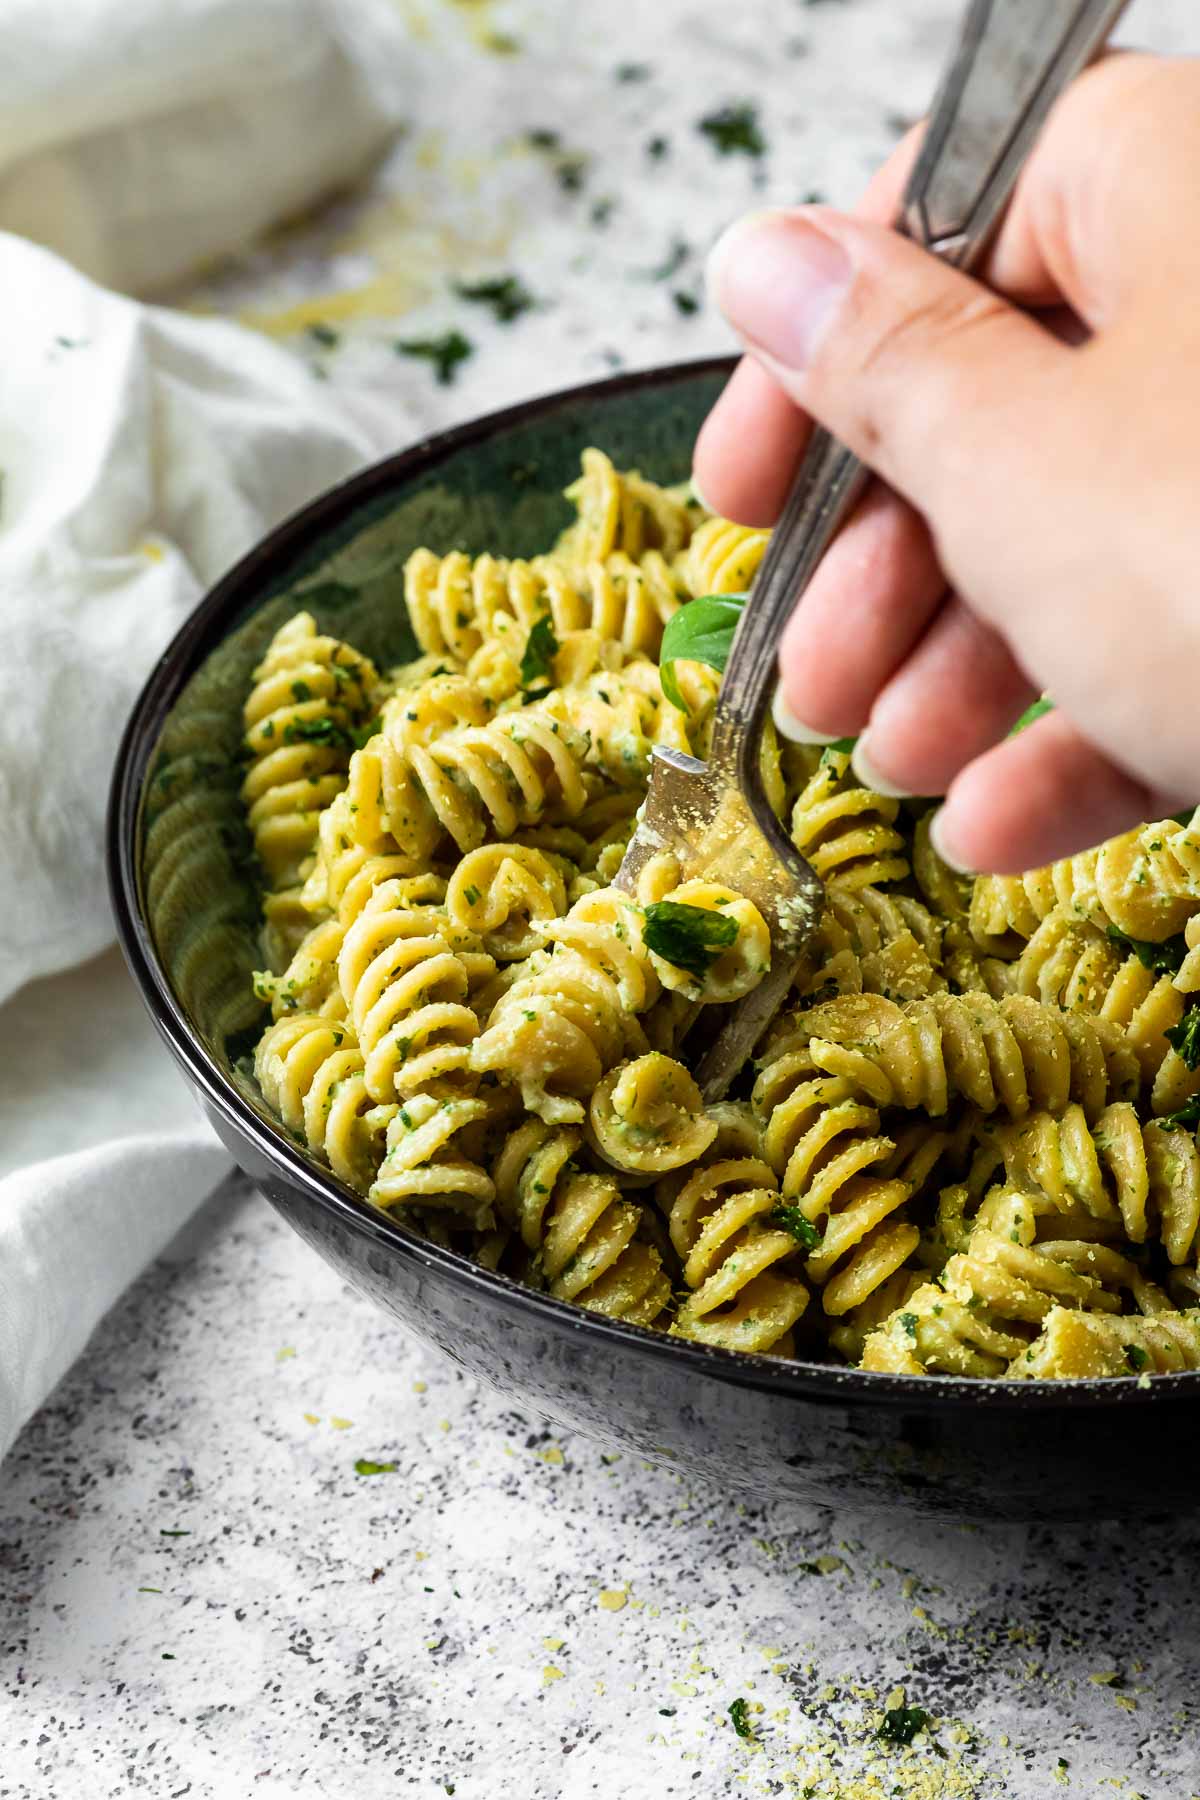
(143, 139)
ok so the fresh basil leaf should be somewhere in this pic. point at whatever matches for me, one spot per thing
(1184, 1038)
(689, 937)
(1160, 959)
(1036, 711)
(541, 647)
(702, 631)
(1188, 1115)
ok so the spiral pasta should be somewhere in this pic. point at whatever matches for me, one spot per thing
(310, 1071)
(1069, 964)
(586, 1238)
(847, 833)
(1075, 1346)
(992, 1297)
(970, 1132)
(424, 1168)
(1146, 883)
(1008, 1055)
(559, 1029)
(622, 511)
(722, 558)
(878, 943)
(725, 939)
(310, 694)
(741, 1268)
(501, 892)
(1139, 1180)
(646, 1116)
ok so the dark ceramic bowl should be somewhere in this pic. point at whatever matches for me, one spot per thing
(186, 912)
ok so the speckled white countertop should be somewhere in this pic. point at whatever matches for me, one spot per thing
(198, 1594)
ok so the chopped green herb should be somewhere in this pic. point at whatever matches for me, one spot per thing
(687, 304)
(541, 647)
(445, 352)
(657, 148)
(1160, 959)
(168, 1656)
(672, 262)
(702, 631)
(602, 210)
(631, 71)
(739, 1713)
(734, 128)
(542, 140)
(364, 1466)
(688, 937)
(570, 172)
(791, 1219)
(324, 730)
(666, 1712)
(1136, 1357)
(908, 1324)
(471, 896)
(174, 1534)
(507, 296)
(324, 335)
(147, 1590)
(362, 734)
(902, 1723)
(301, 691)
(1184, 1038)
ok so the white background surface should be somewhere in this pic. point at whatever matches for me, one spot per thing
(293, 1671)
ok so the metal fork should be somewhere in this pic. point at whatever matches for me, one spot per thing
(1012, 60)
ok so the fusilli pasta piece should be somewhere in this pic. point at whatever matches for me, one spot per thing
(647, 1116)
(621, 510)
(1008, 1055)
(722, 558)
(310, 694)
(1075, 1346)
(1146, 883)
(746, 1292)
(310, 1071)
(847, 833)
(579, 1228)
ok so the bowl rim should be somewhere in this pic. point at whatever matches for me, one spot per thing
(189, 647)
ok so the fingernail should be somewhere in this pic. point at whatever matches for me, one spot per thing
(946, 851)
(778, 279)
(698, 491)
(869, 775)
(794, 729)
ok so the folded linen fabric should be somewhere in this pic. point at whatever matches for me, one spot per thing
(142, 451)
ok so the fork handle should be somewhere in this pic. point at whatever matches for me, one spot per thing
(1012, 60)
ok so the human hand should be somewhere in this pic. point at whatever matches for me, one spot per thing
(1040, 524)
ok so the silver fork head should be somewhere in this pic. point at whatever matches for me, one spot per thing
(710, 827)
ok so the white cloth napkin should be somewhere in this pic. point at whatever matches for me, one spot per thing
(143, 139)
(141, 452)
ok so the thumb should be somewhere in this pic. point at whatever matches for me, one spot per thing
(934, 381)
